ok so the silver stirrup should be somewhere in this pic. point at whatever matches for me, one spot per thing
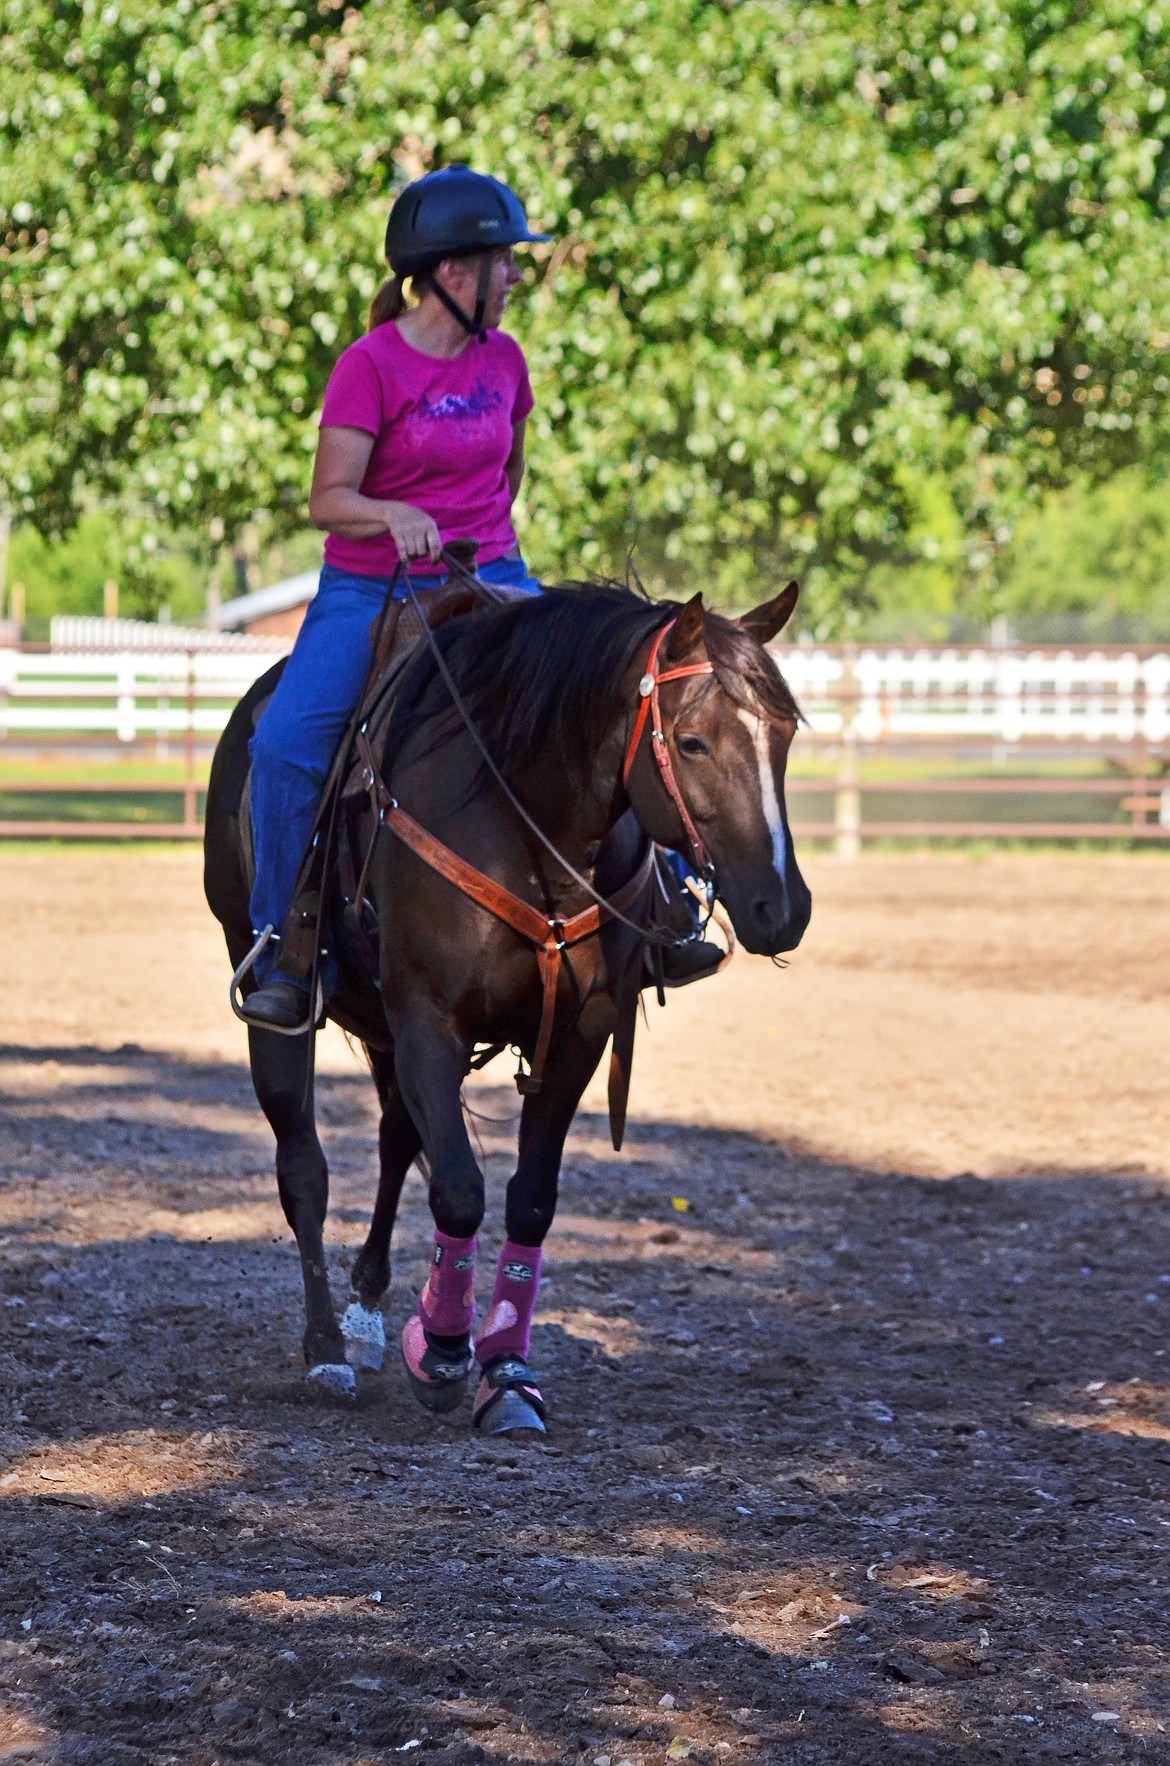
(716, 913)
(245, 967)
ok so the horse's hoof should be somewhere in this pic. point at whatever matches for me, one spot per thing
(510, 1413)
(365, 1337)
(508, 1399)
(437, 1377)
(336, 1378)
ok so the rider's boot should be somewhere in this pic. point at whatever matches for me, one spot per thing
(277, 1005)
(684, 963)
(280, 999)
(695, 956)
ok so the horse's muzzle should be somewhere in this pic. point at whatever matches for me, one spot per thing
(771, 919)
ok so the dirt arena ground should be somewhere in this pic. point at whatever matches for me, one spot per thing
(862, 1458)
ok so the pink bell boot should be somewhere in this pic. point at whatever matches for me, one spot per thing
(508, 1396)
(439, 1369)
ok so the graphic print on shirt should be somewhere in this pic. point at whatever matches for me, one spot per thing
(456, 407)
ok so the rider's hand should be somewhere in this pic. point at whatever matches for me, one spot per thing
(413, 532)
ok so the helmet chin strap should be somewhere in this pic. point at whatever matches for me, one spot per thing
(474, 325)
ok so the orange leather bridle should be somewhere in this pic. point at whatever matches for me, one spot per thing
(550, 934)
(648, 687)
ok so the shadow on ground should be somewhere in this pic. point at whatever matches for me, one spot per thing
(843, 1467)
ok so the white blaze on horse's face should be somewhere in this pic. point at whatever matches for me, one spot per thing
(758, 729)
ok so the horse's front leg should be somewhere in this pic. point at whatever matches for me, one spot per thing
(284, 1089)
(509, 1398)
(431, 1063)
(398, 1145)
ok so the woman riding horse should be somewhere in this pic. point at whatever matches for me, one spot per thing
(421, 443)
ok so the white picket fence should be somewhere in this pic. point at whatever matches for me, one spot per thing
(1007, 696)
(96, 636)
(188, 681)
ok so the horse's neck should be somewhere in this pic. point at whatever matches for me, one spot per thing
(588, 803)
(573, 807)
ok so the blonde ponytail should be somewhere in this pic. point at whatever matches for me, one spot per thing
(388, 303)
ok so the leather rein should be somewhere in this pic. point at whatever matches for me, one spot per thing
(550, 934)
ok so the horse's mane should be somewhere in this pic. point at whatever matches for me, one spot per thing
(538, 676)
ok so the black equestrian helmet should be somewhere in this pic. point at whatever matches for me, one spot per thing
(450, 213)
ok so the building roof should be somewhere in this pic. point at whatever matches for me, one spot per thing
(295, 591)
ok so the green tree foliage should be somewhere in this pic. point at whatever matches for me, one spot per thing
(815, 259)
(1089, 563)
(1102, 554)
(68, 575)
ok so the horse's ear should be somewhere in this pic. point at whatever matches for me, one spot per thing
(688, 627)
(772, 616)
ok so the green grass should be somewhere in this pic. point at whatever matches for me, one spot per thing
(24, 797)
(881, 767)
(135, 769)
(31, 805)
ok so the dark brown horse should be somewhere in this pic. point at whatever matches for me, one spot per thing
(554, 685)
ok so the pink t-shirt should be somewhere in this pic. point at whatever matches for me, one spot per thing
(442, 436)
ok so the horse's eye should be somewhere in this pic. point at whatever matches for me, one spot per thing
(692, 746)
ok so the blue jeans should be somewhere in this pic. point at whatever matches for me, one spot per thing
(304, 721)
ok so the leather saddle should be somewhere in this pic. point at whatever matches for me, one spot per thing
(346, 787)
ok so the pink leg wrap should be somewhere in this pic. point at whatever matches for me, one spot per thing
(446, 1305)
(507, 1329)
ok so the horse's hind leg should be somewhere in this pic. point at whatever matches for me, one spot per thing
(284, 1088)
(398, 1145)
